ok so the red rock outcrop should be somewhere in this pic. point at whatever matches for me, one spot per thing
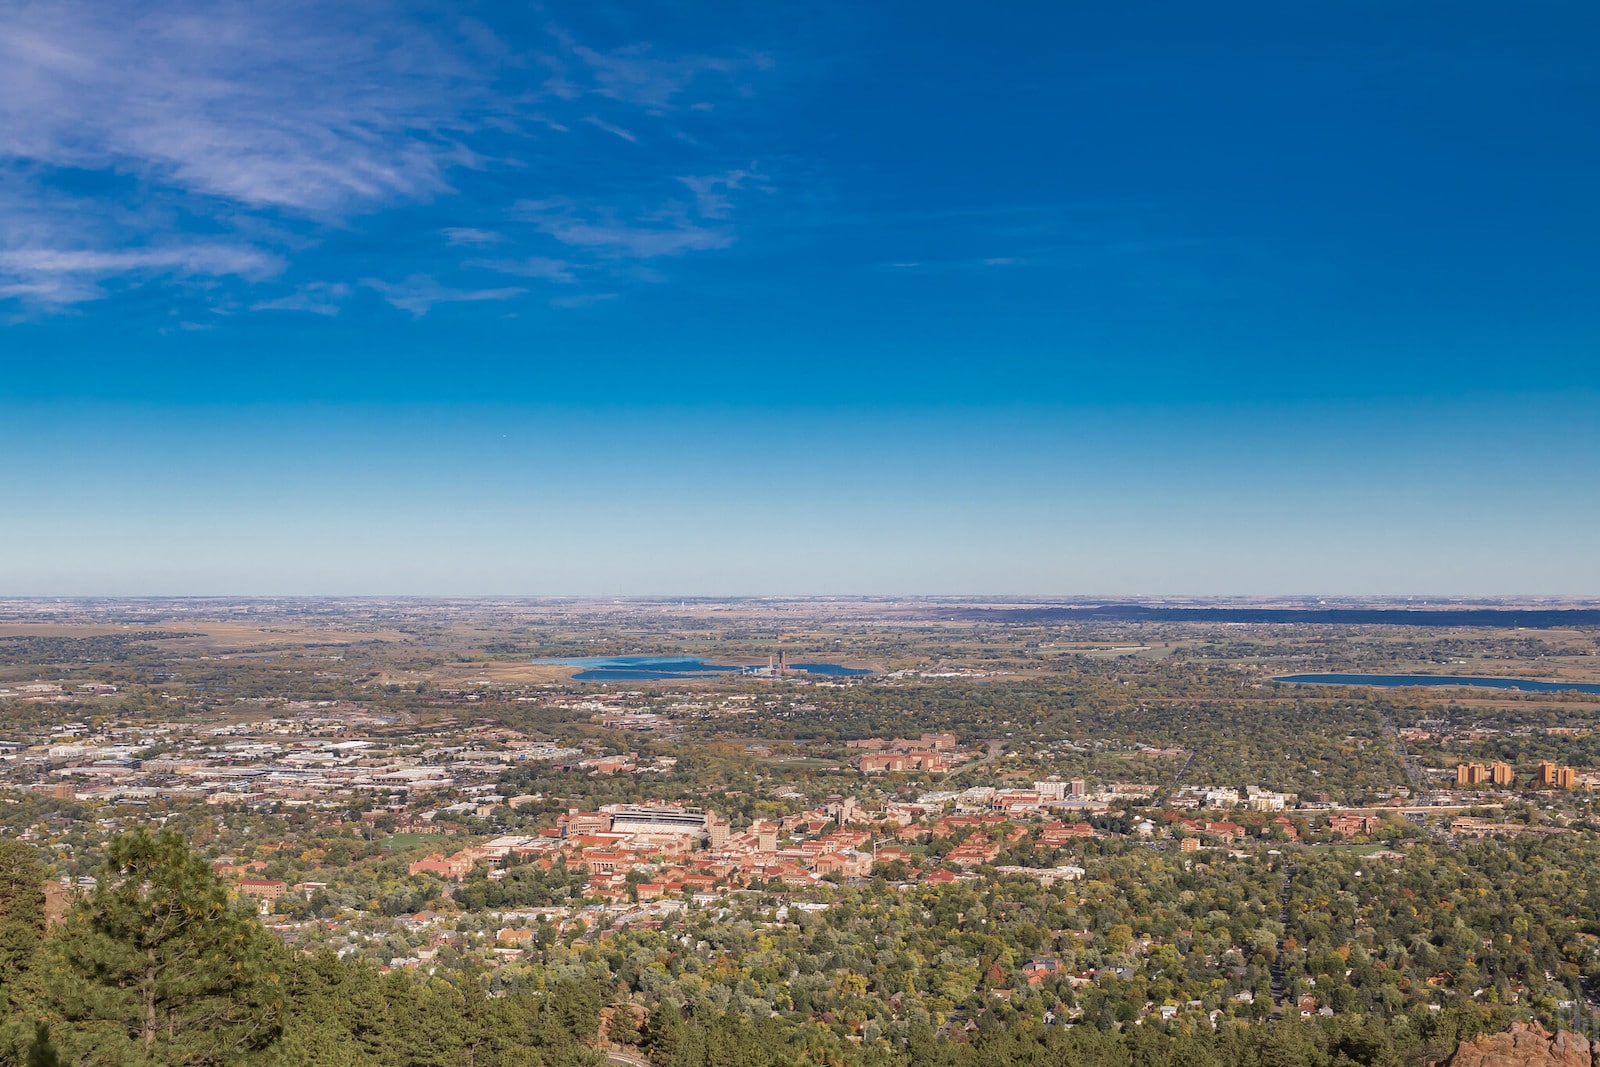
(1525, 1045)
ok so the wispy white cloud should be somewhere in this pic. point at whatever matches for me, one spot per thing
(555, 270)
(263, 104)
(66, 276)
(467, 235)
(419, 293)
(191, 259)
(581, 300)
(668, 231)
(268, 131)
(947, 266)
(617, 131)
(712, 191)
(212, 117)
(318, 298)
(54, 291)
(638, 75)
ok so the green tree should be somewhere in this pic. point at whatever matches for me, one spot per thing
(624, 1027)
(158, 966)
(21, 909)
(42, 1052)
(21, 933)
(664, 1032)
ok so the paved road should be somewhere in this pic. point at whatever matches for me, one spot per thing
(626, 1059)
(995, 748)
(1280, 983)
(1177, 779)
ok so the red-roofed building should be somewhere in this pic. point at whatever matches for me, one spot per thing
(1037, 970)
(454, 868)
(932, 762)
(973, 853)
(263, 889)
(1353, 825)
(1056, 834)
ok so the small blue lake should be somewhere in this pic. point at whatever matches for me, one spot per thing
(1527, 685)
(831, 669)
(657, 668)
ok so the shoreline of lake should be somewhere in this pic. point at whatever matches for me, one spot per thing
(678, 668)
(1397, 681)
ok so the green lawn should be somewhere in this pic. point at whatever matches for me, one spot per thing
(401, 842)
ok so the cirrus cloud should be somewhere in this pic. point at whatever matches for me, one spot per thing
(213, 139)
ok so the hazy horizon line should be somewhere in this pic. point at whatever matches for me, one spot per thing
(1458, 598)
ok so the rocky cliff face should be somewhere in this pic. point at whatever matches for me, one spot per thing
(1526, 1045)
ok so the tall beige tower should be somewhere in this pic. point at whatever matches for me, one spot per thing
(717, 827)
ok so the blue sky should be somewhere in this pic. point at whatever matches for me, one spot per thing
(888, 298)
